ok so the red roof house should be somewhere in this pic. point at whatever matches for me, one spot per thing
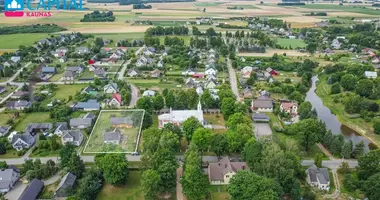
(198, 75)
(90, 62)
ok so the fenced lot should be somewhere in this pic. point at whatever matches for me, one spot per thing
(128, 132)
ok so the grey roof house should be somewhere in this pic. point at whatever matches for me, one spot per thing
(318, 177)
(65, 186)
(74, 137)
(121, 122)
(8, 178)
(80, 123)
(22, 141)
(32, 191)
(34, 128)
(4, 130)
(60, 128)
(112, 137)
(91, 104)
(262, 104)
(48, 70)
(260, 117)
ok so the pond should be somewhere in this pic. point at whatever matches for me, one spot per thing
(331, 121)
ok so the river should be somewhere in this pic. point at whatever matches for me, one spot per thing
(331, 121)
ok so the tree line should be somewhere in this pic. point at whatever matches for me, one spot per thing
(142, 6)
(129, 2)
(97, 16)
(35, 28)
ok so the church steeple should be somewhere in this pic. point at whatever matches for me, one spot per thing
(199, 105)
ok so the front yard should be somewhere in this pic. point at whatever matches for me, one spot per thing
(8, 90)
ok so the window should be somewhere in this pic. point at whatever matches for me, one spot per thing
(227, 176)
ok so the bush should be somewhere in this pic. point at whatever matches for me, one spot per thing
(335, 88)
(350, 182)
(376, 126)
(35, 28)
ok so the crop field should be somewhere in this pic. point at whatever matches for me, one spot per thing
(129, 132)
(294, 43)
(13, 41)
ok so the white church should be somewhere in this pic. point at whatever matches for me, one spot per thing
(179, 116)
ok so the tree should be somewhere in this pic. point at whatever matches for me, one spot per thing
(90, 185)
(236, 119)
(335, 88)
(252, 153)
(318, 160)
(219, 144)
(364, 87)
(75, 165)
(376, 126)
(65, 155)
(348, 82)
(369, 164)
(308, 132)
(202, 138)
(114, 167)
(158, 102)
(228, 107)
(207, 100)
(371, 186)
(174, 128)
(3, 148)
(189, 126)
(305, 111)
(150, 182)
(358, 150)
(194, 183)
(349, 182)
(145, 103)
(347, 149)
(248, 185)
(311, 48)
(147, 121)
(170, 99)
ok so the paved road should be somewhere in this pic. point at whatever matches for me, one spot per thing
(180, 195)
(233, 81)
(135, 95)
(122, 71)
(332, 164)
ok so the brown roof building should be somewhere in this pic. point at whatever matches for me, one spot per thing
(220, 173)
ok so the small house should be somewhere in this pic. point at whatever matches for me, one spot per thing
(121, 122)
(260, 117)
(100, 73)
(111, 88)
(65, 186)
(116, 100)
(4, 130)
(32, 191)
(155, 73)
(149, 93)
(48, 70)
(289, 107)
(89, 105)
(132, 72)
(262, 104)
(60, 128)
(369, 74)
(220, 173)
(318, 177)
(22, 141)
(74, 137)
(8, 178)
(112, 137)
(2, 89)
(80, 123)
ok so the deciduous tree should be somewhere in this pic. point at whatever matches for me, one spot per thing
(114, 167)
(189, 126)
(202, 138)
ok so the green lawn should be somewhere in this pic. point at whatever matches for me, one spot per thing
(215, 119)
(37, 117)
(11, 153)
(294, 43)
(129, 141)
(9, 89)
(130, 191)
(356, 194)
(13, 41)
(168, 23)
(284, 75)
(64, 91)
(149, 83)
(356, 9)
(216, 195)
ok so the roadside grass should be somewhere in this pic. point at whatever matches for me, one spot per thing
(36, 117)
(214, 119)
(358, 124)
(11, 153)
(129, 141)
(356, 194)
(294, 43)
(13, 41)
(219, 192)
(130, 191)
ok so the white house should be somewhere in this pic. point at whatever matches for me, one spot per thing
(289, 107)
(318, 177)
(149, 93)
(15, 59)
(220, 173)
(210, 84)
(112, 137)
(61, 127)
(179, 116)
(369, 74)
(22, 141)
(115, 101)
(74, 137)
(111, 88)
(132, 73)
(211, 71)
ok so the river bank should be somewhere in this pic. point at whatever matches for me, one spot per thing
(358, 125)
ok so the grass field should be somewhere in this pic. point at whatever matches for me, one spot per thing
(245, 6)
(11, 153)
(355, 9)
(284, 75)
(207, 4)
(150, 83)
(15, 40)
(294, 43)
(219, 195)
(64, 91)
(130, 191)
(214, 119)
(128, 141)
(36, 117)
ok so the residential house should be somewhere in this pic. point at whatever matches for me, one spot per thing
(198, 75)
(160, 64)
(60, 128)
(375, 60)
(4, 130)
(261, 77)
(260, 117)
(116, 101)
(8, 178)
(149, 93)
(65, 186)
(262, 104)
(220, 173)
(68, 76)
(100, 73)
(289, 107)
(19, 94)
(62, 49)
(210, 84)
(63, 59)
(112, 137)
(90, 105)
(74, 137)
(2, 89)
(9, 63)
(188, 72)
(322, 24)
(15, 59)
(91, 68)
(155, 73)
(247, 93)
(44, 42)
(34, 128)
(212, 77)
(18, 105)
(22, 141)
(179, 116)
(32, 191)
(82, 50)
(111, 88)
(80, 123)
(90, 116)
(90, 90)
(210, 71)
(246, 72)
(75, 70)
(190, 83)
(121, 122)
(132, 72)
(48, 70)
(318, 177)
(335, 44)
(271, 71)
(262, 130)
(369, 74)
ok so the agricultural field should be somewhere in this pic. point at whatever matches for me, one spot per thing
(126, 130)
(294, 43)
(13, 41)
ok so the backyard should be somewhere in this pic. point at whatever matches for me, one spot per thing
(129, 136)
(37, 117)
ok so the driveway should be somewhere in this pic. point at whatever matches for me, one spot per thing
(135, 95)
(233, 81)
(15, 193)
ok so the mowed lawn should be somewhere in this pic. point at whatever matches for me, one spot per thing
(64, 91)
(37, 117)
(219, 192)
(150, 83)
(128, 143)
(13, 41)
(294, 43)
(130, 191)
